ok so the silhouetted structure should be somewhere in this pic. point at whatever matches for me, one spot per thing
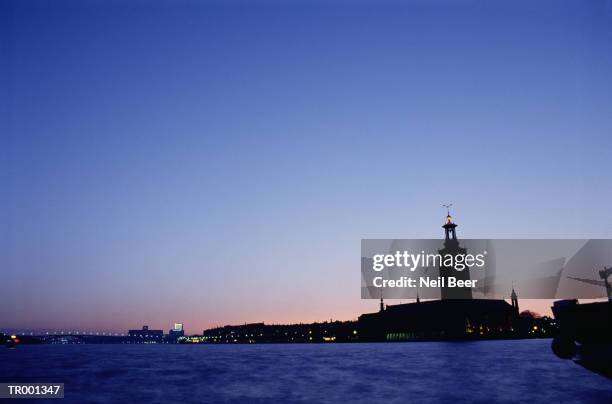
(455, 316)
(585, 334)
(452, 247)
(514, 300)
(336, 331)
(146, 335)
(175, 333)
(605, 274)
(439, 319)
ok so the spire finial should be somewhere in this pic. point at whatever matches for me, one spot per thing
(449, 218)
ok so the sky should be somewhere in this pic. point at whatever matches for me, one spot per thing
(219, 162)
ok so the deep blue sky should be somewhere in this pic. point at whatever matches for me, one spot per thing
(219, 162)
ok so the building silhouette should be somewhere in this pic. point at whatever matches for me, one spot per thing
(452, 247)
(175, 333)
(146, 335)
(334, 331)
(455, 316)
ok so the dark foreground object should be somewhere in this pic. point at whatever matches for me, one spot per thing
(585, 334)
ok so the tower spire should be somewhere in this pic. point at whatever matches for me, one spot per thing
(449, 226)
(452, 247)
(514, 299)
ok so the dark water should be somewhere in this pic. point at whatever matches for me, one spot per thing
(490, 371)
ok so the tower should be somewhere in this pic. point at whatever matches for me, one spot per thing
(449, 229)
(452, 247)
(382, 303)
(514, 299)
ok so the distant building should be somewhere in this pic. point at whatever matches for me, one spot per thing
(335, 331)
(176, 332)
(146, 335)
(456, 316)
(439, 319)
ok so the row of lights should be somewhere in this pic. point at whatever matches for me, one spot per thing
(110, 334)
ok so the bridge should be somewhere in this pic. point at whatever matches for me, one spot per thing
(74, 337)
